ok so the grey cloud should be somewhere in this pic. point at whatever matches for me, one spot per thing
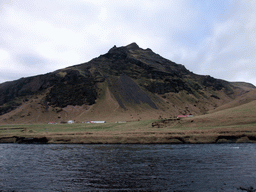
(208, 40)
(31, 60)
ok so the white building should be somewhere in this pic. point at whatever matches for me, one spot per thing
(71, 122)
(97, 121)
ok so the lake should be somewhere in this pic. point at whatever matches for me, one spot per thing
(65, 167)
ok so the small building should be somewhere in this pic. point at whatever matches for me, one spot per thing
(97, 121)
(71, 122)
(182, 116)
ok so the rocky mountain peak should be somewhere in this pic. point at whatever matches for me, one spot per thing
(124, 49)
(132, 46)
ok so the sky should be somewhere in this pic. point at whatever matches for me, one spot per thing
(216, 38)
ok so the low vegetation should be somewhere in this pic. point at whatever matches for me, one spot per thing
(210, 128)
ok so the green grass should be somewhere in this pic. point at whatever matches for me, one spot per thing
(144, 125)
(130, 132)
(77, 127)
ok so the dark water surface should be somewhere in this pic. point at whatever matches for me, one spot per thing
(208, 167)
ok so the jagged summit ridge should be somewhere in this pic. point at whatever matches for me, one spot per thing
(130, 47)
(133, 46)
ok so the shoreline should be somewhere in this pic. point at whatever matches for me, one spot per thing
(137, 132)
(148, 137)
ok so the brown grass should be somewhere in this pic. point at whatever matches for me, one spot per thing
(131, 132)
(236, 124)
(240, 115)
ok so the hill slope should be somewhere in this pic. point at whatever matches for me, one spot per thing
(240, 116)
(127, 83)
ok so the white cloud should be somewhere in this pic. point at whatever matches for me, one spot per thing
(228, 51)
(4, 55)
(211, 38)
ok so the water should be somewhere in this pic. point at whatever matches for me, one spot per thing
(209, 167)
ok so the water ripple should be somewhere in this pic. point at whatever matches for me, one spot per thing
(211, 167)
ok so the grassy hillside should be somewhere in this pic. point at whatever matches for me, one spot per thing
(239, 116)
(236, 124)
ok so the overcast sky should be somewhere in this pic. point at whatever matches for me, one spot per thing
(209, 37)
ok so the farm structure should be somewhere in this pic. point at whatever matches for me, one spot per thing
(71, 122)
(182, 116)
(95, 122)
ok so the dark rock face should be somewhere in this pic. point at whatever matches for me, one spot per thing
(129, 71)
(156, 74)
(23, 140)
(26, 86)
(167, 86)
(73, 89)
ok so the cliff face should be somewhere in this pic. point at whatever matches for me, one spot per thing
(133, 77)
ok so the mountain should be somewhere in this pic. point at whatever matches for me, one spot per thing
(127, 83)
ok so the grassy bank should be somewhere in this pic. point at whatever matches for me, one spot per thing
(129, 132)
